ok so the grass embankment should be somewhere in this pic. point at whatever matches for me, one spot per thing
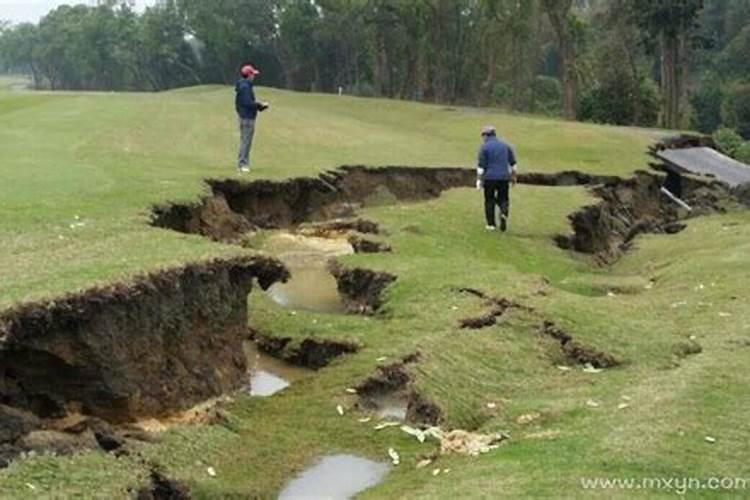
(673, 403)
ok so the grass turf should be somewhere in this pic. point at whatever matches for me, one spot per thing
(674, 402)
(82, 170)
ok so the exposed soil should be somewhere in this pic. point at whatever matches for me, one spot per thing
(572, 349)
(630, 207)
(395, 379)
(361, 289)
(578, 352)
(161, 343)
(235, 207)
(339, 226)
(309, 353)
(498, 306)
(163, 488)
(24, 432)
(365, 245)
(565, 178)
(273, 205)
(683, 141)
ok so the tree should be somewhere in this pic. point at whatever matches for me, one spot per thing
(565, 25)
(669, 23)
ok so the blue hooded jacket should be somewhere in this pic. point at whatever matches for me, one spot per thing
(244, 102)
(497, 160)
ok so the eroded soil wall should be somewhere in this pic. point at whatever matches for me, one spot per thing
(161, 343)
(633, 206)
(235, 207)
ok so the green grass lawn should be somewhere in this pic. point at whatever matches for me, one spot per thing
(106, 158)
(103, 159)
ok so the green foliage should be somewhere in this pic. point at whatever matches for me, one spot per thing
(545, 95)
(736, 109)
(670, 18)
(734, 59)
(743, 153)
(706, 102)
(728, 141)
(467, 51)
(617, 102)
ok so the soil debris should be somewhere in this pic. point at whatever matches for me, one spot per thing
(498, 306)
(161, 343)
(234, 207)
(163, 488)
(338, 227)
(364, 245)
(577, 352)
(468, 443)
(686, 348)
(393, 385)
(309, 353)
(630, 207)
(361, 289)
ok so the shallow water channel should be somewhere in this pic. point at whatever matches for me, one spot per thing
(269, 375)
(311, 287)
(335, 477)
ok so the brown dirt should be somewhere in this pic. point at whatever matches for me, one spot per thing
(339, 226)
(572, 349)
(163, 488)
(161, 343)
(364, 245)
(236, 207)
(683, 141)
(565, 178)
(361, 289)
(309, 353)
(634, 206)
(396, 379)
(498, 306)
(577, 352)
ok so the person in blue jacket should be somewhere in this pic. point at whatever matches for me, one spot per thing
(496, 169)
(247, 111)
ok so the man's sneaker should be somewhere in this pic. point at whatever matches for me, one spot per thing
(503, 223)
(243, 169)
(490, 228)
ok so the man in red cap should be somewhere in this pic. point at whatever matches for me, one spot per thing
(247, 110)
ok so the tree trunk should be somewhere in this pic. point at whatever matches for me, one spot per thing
(671, 81)
(558, 12)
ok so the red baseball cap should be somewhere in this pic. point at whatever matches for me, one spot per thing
(248, 70)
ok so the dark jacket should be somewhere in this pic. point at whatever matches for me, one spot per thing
(496, 158)
(244, 102)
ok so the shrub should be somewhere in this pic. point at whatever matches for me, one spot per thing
(706, 104)
(736, 109)
(546, 93)
(614, 101)
(743, 153)
(728, 141)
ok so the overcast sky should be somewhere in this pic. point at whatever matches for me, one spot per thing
(18, 11)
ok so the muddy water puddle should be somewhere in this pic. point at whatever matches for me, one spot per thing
(269, 375)
(311, 287)
(335, 477)
(390, 405)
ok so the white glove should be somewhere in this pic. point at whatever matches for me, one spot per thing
(479, 184)
(480, 172)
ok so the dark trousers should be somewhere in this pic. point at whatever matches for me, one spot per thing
(496, 193)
